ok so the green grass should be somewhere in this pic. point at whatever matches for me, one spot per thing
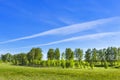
(9, 72)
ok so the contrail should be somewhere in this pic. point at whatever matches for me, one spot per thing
(66, 30)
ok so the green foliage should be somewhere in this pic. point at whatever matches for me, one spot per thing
(105, 65)
(94, 55)
(72, 63)
(34, 54)
(53, 62)
(57, 54)
(50, 54)
(78, 54)
(91, 65)
(77, 64)
(58, 63)
(48, 63)
(63, 56)
(107, 57)
(69, 54)
(67, 64)
(38, 54)
(43, 63)
(63, 64)
(6, 57)
(88, 55)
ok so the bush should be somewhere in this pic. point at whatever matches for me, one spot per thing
(43, 64)
(53, 63)
(105, 65)
(72, 63)
(67, 63)
(63, 64)
(48, 63)
(91, 65)
(77, 64)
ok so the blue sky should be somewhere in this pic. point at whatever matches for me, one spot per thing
(58, 23)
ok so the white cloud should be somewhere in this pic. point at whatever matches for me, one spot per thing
(66, 30)
(85, 37)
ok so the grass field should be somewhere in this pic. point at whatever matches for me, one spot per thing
(9, 72)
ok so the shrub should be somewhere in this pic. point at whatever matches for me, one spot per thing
(72, 63)
(91, 65)
(63, 64)
(67, 63)
(105, 65)
(48, 63)
(43, 64)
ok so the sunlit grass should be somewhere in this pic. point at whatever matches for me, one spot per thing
(9, 72)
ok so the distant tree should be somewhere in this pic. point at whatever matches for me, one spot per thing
(101, 56)
(35, 54)
(78, 54)
(63, 63)
(48, 63)
(63, 56)
(15, 59)
(91, 65)
(69, 54)
(88, 55)
(22, 58)
(57, 54)
(67, 63)
(94, 55)
(50, 54)
(43, 63)
(72, 63)
(38, 54)
(118, 56)
(105, 65)
(109, 54)
(108, 57)
(115, 52)
(6, 57)
(31, 55)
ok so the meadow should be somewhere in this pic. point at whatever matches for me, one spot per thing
(11, 72)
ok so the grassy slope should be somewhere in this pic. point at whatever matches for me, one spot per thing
(8, 72)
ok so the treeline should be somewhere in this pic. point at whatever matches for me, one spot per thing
(107, 57)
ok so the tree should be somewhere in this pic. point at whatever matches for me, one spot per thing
(22, 58)
(101, 55)
(105, 65)
(110, 55)
(115, 53)
(6, 57)
(63, 56)
(57, 54)
(91, 65)
(31, 55)
(78, 54)
(50, 54)
(15, 59)
(94, 55)
(118, 55)
(38, 54)
(72, 63)
(88, 56)
(69, 54)
(63, 63)
(35, 54)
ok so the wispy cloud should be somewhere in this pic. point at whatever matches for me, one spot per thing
(85, 37)
(66, 29)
